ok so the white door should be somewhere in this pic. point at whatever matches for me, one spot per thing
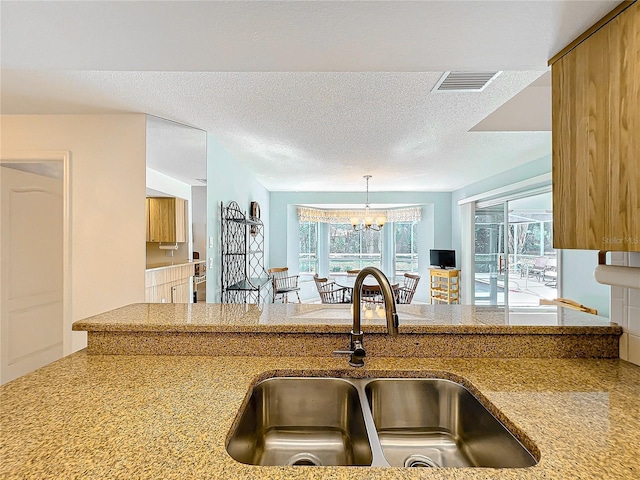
(31, 264)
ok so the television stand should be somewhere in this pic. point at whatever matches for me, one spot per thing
(444, 286)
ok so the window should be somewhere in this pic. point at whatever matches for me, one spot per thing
(308, 247)
(349, 250)
(406, 247)
(532, 236)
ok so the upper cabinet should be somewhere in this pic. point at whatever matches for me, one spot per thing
(596, 139)
(166, 219)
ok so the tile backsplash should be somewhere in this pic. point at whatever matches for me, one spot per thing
(625, 310)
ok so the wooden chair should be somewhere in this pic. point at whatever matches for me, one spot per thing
(369, 294)
(283, 284)
(372, 294)
(408, 289)
(330, 292)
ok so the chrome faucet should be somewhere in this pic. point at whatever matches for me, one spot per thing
(356, 349)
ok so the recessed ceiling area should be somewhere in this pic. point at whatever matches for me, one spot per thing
(528, 111)
(309, 96)
(176, 150)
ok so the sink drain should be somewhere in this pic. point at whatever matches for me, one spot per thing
(420, 461)
(304, 459)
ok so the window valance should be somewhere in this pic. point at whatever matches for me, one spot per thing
(308, 214)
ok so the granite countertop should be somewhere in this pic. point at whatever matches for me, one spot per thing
(176, 263)
(319, 318)
(168, 417)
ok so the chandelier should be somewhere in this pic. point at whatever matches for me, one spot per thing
(369, 221)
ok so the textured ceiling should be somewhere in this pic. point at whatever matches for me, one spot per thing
(307, 95)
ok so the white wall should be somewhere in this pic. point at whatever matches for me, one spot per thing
(199, 214)
(625, 310)
(107, 190)
(227, 180)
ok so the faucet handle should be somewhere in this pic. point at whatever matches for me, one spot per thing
(357, 353)
(358, 349)
(342, 352)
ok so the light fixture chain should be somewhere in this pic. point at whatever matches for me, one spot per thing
(368, 222)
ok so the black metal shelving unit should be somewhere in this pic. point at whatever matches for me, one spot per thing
(243, 276)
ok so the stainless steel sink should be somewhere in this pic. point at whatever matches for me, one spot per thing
(392, 422)
(436, 422)
(302, 421)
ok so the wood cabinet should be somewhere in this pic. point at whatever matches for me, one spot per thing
(170, 284)
(444, 286)
(181, 293)
(166, 219)
(596, 139)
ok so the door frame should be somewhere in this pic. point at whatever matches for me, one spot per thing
(44, 156)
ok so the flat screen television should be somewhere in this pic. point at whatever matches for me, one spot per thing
(443, 258)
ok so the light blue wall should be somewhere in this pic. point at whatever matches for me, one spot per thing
(228, 180)
(508, 177)
(578, 282)
(434, 231)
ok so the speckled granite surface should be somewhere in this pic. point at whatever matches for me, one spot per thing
(167, 417)
(318, 318)
(582, 345)
(296, 330)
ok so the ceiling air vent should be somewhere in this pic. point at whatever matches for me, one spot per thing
(202, 180)
(464, 81)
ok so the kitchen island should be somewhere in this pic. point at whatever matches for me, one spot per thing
(297, 329)
(96, 416)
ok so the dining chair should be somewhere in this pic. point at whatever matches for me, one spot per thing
(408, 288)
(539, 266)
(283, 284)
(330, 292)
(551, 271)
(370, 294)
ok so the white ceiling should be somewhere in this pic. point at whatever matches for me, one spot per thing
(308, 95)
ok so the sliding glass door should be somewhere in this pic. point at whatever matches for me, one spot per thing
(528, 271)
(532, 259)
(489, 258)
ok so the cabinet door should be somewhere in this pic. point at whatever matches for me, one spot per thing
(181, 220)
(167, 219)
(162, 220)
(181, 293)
(158, 294)
(596, 145)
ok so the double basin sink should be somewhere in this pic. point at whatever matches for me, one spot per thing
(384, 422)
